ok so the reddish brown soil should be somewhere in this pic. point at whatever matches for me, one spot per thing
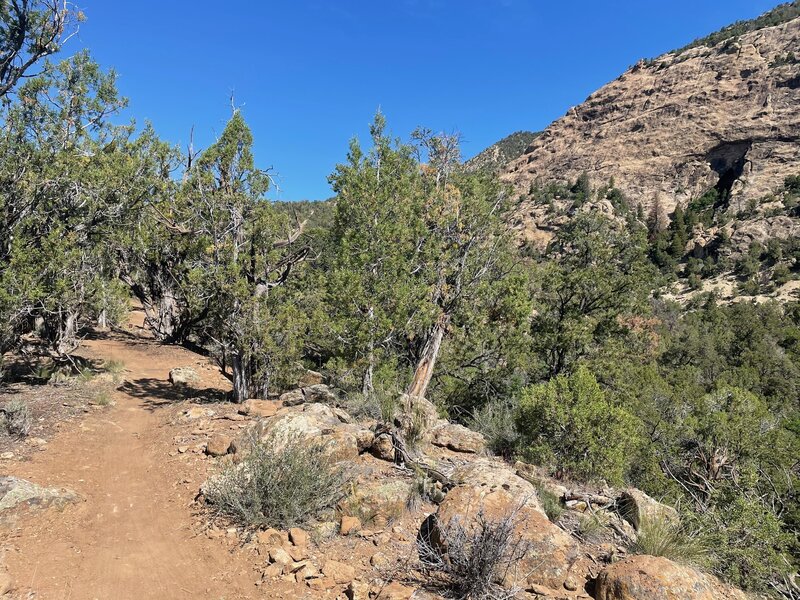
(134, 534)
(138, 532)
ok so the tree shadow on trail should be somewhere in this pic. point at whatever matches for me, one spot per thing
(157, 393)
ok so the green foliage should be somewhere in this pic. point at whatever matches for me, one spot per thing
(749, 544)
(598, 272)
(418, 255)
(569, 425)
(499, 154)
(551, 503)
(278, 483)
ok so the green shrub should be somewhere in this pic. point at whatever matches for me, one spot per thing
(591, 526)
(15, 417)
(495, 420)
(551, 503)
(781, 274)
(277, 484)
(567, 424)
(663, 537)
(749, 287)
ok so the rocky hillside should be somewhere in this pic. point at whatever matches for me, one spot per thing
(718, 116)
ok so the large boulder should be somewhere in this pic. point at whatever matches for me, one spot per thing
(320, 393)
(384, 499)
(317, 423)
(636, 507)
(490, 476)
(552, 558)
(15, 492)
(458, 438)
(183, 377)
(310, 378)
(259, 408)
(657, 578)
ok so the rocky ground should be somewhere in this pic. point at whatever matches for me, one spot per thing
(109, 503)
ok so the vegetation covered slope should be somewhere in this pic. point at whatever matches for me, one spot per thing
(499, 154)
(777, 16)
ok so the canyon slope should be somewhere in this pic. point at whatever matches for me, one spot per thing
(724, 115)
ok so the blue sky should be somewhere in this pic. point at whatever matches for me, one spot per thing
(309, 74)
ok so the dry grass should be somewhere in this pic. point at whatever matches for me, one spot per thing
(662, 537)
(468, 561)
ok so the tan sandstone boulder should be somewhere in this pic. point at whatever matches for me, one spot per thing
(317, 423)
(657, 578)
(458, 438)
(552, 557)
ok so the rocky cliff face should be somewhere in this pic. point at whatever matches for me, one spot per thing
(670, 129)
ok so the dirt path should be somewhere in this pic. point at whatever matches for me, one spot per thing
(134, 535)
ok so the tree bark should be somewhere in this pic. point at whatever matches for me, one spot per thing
(367, 386)
(424, 371)
(240, 379)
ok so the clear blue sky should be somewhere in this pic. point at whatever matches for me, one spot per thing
(309, 74)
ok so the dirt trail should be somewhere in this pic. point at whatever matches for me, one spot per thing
(133, 536)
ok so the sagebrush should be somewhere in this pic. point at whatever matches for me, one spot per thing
(15, 418)
(278, 483)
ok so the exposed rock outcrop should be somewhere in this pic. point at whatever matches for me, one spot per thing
(672, 128)
(552, 558)
(317, 423)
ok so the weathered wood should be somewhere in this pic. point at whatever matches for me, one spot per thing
(404, 458)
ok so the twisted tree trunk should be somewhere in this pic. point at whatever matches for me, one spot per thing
(424, 371)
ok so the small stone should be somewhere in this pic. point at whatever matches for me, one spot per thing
(197, 412)
(570, 584)
(183, 376)
(298, 537)
(349, 525)
(272, 571)
(357, 590)
(339, 572)
(280, 556)
(7, 455)
(298, 553)
(383, 448)
(380, 561)
(183, 449)
(321, 583)
(218, 445)
(396, 591)
(306, 571)
(272, 537)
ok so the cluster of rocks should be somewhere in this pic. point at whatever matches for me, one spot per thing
(557, 563)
